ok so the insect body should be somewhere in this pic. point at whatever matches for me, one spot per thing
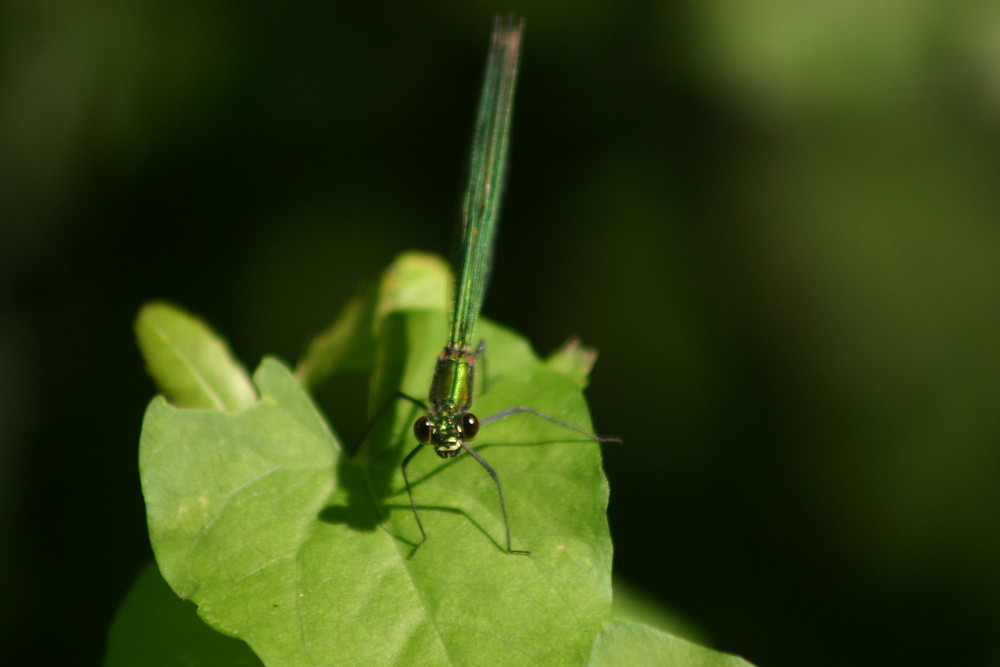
(449, 425)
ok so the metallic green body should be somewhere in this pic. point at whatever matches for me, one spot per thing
(451, 391)
(450, 398)
(448, 424)
(487, 169)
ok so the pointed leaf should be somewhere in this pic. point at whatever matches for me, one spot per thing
(637, 606)
(415, 281)
(190, 363)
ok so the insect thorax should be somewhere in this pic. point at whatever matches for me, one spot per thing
(454, 374)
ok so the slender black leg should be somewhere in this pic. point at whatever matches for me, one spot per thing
(521, 408)
(413, 504)
(503, 505)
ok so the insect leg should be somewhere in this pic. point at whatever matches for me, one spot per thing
(503, 505)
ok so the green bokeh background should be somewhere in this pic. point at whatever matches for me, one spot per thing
(777, 220)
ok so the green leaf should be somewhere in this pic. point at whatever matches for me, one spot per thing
(154, 627)
(254, 540)
(191, 363)
(344, 347)
(414, 281)
(634, 605)
(286, 543)
(624, 643)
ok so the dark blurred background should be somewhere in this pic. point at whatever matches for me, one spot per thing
(776, 220)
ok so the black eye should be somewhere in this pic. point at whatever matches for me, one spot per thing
(470, 425)
(422, 429)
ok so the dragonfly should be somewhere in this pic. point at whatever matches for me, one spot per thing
(448, 425)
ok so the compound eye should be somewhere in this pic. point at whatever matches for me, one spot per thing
(470, 425)
(422, 429)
